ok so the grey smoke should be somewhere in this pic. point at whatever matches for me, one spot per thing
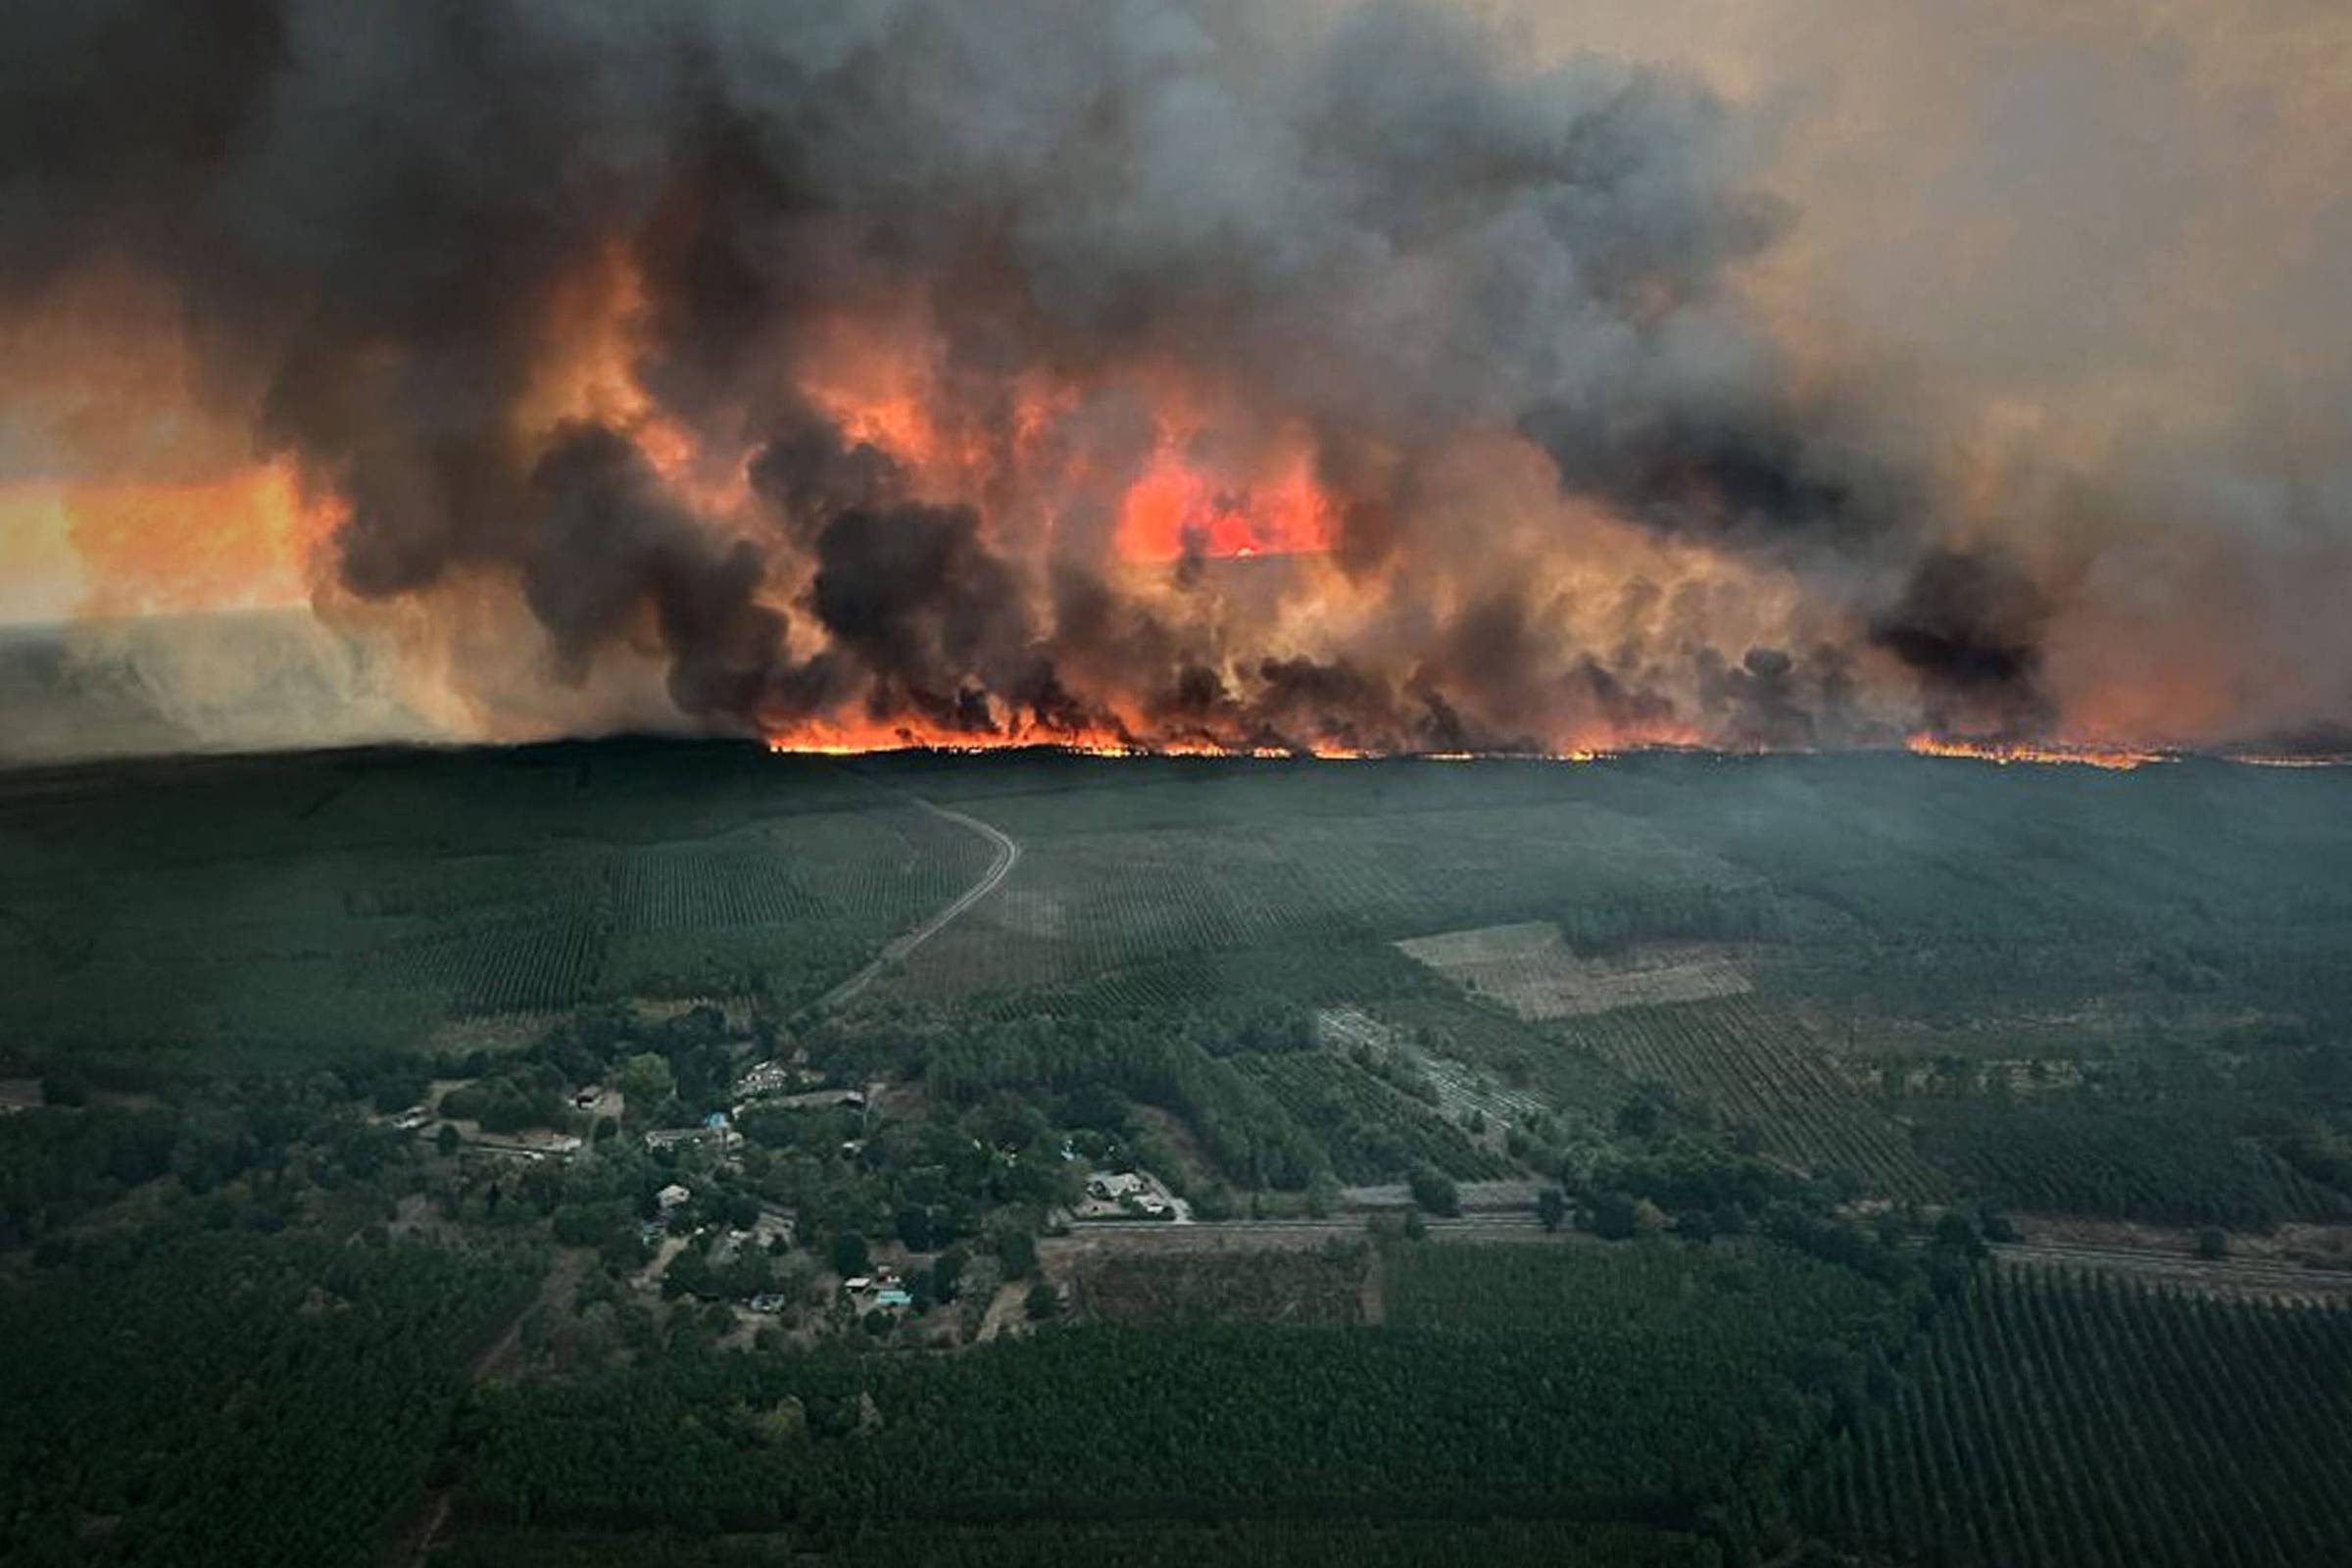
(1371, 223)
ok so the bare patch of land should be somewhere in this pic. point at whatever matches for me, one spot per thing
(1530, 969)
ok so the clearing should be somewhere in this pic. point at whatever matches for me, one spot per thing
(1530, 969)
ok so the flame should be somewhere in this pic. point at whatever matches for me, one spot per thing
(829, 737)
(1177, 508)
(2055, 752)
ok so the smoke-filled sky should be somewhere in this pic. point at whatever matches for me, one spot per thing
(1333, 375)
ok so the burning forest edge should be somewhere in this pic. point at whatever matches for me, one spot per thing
(1162, 375)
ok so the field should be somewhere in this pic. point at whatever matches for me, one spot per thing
(192, 1405)
(1757, 1070)
(1315, 1286)
(2063, 1422)
(304, 904)
(1588, 1384)
(1529, 969)
(1127, 1545)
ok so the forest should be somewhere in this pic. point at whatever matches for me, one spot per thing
(1665, 1160)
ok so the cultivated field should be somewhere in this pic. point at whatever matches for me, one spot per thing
(2063, 1421)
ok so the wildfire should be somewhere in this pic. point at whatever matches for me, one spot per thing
(1176, 508)
(828, 738)
(2056, 753)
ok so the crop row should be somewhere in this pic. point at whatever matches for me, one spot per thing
(1756, 1068)
(2085, 1154)
(2063, 1422)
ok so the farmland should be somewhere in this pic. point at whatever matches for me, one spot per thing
(1760, 1073)
(2065, 1421)
(1585, 1164)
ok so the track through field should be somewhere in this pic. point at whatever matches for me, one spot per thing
(898, 948)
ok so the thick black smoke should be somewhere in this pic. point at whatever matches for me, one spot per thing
(1368, 227)
(1971, 625)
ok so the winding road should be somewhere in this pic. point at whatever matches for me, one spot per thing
(1009, 853)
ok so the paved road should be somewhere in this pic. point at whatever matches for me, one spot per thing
(1009, 853)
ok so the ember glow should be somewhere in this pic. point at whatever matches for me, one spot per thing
(1117, 378)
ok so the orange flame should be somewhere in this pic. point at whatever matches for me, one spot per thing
(2056, 753)
(1176, 508)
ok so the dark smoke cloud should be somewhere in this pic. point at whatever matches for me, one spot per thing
(1971, 625)
(1368, 225)
(609, 547)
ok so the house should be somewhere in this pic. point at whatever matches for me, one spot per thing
(768, 1078)
(857, 1283)
(768, 1303)
(1113, 1186)
(670, 1197)
(715, 1122)
(893, 1296)
(413, 1118)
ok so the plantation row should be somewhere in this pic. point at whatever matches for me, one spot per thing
(1296, 1286)
(518, 966)
(2074, 1424)
(1653, 1384)
(1745, 1296)
(1756, 1068)
(1372, 1129)
(1082, 904)
(2085, 1156)
(740, 884)
(713, 918)
(1129, 1544)
(231, 1399)
(1306, 973)
(881, 871)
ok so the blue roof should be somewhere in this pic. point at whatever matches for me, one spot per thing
(715, 1121)
(894, 1297)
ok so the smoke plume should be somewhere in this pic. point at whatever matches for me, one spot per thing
(1181, 373)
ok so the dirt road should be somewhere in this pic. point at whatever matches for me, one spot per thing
(1009, 853)
(501, 1358)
